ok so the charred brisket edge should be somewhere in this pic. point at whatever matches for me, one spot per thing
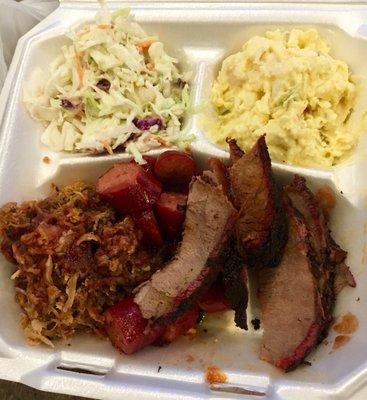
(335, 248)
(270, 253)
(220, 171)
(235, 152)
(213, 267)
(235, 288)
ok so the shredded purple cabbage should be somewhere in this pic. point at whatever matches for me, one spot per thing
(65, 103)
(104, 84)
(146, 123)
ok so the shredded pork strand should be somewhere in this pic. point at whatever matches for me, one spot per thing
(74, 257)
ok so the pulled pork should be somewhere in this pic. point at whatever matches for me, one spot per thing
(75, 257)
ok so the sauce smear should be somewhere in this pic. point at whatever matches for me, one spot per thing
(215, 375)
(326, 198)
(348, 324)
(340, 341)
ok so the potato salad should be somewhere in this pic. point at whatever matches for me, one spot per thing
(286, 84)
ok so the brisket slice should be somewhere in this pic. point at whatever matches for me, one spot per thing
(305, 203)
(177, 286)
(292, 313)
(234, 273)
(261, 229)
(332, 272)
(297, 298)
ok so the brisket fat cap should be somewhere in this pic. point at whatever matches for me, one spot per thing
(292, 313)
(261, 229)
(176, 287)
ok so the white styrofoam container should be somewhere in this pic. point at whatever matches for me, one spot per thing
(201, 35)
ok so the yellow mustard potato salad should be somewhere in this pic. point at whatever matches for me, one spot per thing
(286, 85)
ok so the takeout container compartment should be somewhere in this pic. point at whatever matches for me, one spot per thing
(344, 46)
(42, 51)
(199, 50)
(201, 35)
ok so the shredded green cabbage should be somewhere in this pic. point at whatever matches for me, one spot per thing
(112, 80)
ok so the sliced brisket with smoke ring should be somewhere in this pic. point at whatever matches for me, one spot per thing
(292, 313)
(297, 298)
(178, 285)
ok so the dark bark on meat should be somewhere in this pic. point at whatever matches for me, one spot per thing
(261, 230)
(235, 285)
(220, 172)
(235, 152)
(343, 276)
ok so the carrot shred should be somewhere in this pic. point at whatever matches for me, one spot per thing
(144, 45)
(82, 32)
(150, 66)
(104, 26)
(107, 146)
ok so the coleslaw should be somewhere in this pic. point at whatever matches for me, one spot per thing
(112, 87)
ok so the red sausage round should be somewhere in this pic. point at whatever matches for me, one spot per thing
(129, 188)
(127, 329)
(147, 223)
(170, 209)
(175, 167)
